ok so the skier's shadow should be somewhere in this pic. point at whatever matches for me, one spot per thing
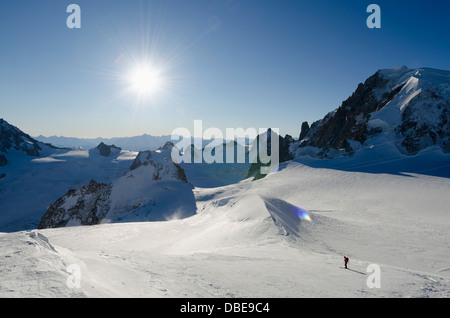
(362, 273)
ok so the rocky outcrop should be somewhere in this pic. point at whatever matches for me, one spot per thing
(106, 150)
(167, 146)
(162, 163)
(283, 151)
(13, 138)
(304, 131)
(413, 103)
(172, 169)
(426, 122)
(85, 206)
(284, 145)
(349, 121)
(142, 158)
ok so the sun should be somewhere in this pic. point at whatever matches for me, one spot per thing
(145, 80)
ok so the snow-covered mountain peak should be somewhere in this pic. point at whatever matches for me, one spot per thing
(155, 188)
(409, 108)
(394, 73)
(105, 150)
(415, 81)
(167, 147)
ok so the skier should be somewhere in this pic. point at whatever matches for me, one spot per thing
(345, 261)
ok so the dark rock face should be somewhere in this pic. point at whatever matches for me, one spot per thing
(3, 161)
(304, 131)
(420, 133)
(284, 153)
(88, 205)
(142, 158)
(424, 111)
(163, 164)
(12, 137)
(167, 146)
(349, 120)
(105, 150)
(285, 143)
(162, 169)
(180, 173)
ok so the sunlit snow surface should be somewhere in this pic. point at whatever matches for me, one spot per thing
(245, 241)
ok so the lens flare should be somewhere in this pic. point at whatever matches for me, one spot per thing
(301, 214)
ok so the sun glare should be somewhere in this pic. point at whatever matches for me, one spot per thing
(145, 80)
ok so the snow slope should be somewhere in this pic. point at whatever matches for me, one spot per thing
(246, 241)
(32, 184)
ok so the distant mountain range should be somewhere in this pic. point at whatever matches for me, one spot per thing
(136, 143)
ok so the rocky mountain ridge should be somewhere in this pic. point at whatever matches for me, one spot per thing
(412, 106)
(12, 138)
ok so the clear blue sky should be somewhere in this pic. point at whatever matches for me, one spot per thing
(230, 63)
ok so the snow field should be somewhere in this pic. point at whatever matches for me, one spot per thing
(244, 242)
